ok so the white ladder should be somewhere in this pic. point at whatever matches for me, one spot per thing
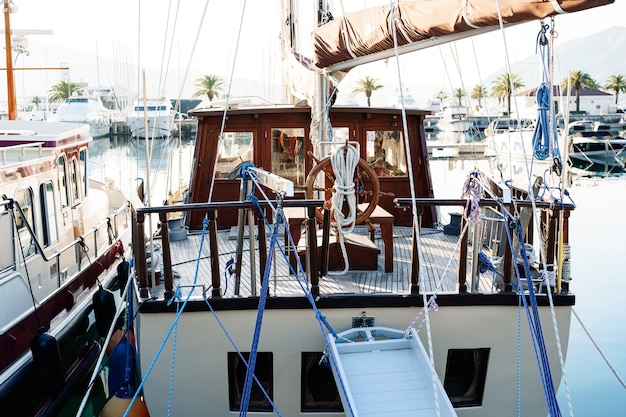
(385, 374)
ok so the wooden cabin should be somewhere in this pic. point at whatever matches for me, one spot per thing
(276, 138)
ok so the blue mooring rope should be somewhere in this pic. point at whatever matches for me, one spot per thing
(534, 321)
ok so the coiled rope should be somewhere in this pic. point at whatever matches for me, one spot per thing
(544, 140)
(344, 161)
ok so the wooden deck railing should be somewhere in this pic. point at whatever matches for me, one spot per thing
(512, 201)
(550, 216)
(211, 211)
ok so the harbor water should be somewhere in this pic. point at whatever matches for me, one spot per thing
(597, 232)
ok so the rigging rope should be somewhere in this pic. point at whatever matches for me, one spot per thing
(247, 388)
(532, 312)
(245, 172)
(174, 324)
(472, 190)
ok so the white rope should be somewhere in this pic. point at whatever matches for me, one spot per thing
(432, 357)
(604, 357)
(344, 168)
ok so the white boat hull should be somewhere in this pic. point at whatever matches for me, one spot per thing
(287, 333)
(158, 127)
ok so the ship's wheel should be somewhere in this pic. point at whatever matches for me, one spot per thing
(367, 187)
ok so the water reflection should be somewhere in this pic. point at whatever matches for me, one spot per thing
(123, 161)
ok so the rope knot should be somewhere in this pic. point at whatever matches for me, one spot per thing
(472, 191)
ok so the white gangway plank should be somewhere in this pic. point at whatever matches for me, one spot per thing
(381, 373)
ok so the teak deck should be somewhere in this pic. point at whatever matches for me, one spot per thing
(438, 250)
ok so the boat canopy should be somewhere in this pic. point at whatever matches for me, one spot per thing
(367, 35)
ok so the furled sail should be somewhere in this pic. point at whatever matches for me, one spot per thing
(367, 35)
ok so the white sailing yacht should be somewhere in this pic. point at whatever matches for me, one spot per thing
(257, 308)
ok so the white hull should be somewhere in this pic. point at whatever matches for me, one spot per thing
(158, 127)
(157, 116)
(454, 125)
(288, 332)
(84, 110)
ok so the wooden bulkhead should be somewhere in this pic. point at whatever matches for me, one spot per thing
(281, 145)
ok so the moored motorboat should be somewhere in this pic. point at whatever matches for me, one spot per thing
(85, 110)
(66, 235)
(154, 114)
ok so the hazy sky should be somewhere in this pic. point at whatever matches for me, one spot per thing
(113, 29)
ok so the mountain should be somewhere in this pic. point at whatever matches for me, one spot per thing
(600, 55)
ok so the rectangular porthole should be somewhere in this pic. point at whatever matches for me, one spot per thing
(318, 388)
(237, 378)
(466, 371)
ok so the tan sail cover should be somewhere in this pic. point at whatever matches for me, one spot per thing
(369, 31)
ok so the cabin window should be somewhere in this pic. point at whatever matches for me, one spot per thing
(318, 389)
(75, 179)
(385, 149)
(82, 155)
(62, 167)
(48, 214)
(466, 371)
(7, 254)
(24, 197)
(237, 378)
(288, 154)
(235, 148)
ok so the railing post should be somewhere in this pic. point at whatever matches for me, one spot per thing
(216, 292)
(95, 241)
(312, 252)
(262, 239)
(508, 257)
(139, 243)
(463, 258)
(325, 243)
(564, 285)
(415, 264)
(551, 246)
(167, 256)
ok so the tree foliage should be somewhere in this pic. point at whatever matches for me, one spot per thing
(62, 90)
(208, 85)
(367, 85)
(478, 93)
(578, 80)
(503, 87)
(616, 84)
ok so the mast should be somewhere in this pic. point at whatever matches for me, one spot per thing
(12, 102)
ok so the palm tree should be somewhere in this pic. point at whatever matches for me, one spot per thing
(578, 80)
(503, 87)
(617, 84)
(367, 85)
(478, 93)
(441, 95)
(64, 89)
(36, 101)
(458, 93)
(209, 85)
